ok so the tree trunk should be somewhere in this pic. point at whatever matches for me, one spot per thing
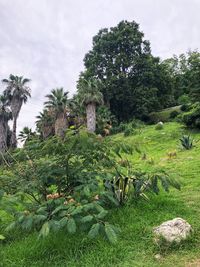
(16, 105)
(91, 117)
(3, 136)
(60, 125)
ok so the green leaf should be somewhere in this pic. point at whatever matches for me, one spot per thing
(78, 210)
(11, 226)
(87, 218)
(71, 226)
(110, 233)
(45, 229)
(102, 214)
(39, 218)
(94, 231)
(63, 222)
(61, 207)
(2, 237)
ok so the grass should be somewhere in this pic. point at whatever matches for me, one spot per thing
(135, 246)
(163, 115)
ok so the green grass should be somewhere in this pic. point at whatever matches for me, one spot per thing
(163, 115)
(135, 246)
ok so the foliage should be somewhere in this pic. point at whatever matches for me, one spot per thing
(174, 114)
(133, 82)
(186, 142)
(129, 184)
(26, 134)
(64, 184)
(192, 117)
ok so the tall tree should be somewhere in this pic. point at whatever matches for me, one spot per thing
(17, 92)
(46, 123)
(57, 101)
(121, 59)
(90, 96)
(5, 116)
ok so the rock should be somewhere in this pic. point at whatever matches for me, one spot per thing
(158, 257)
(174, 230)
(159, 125)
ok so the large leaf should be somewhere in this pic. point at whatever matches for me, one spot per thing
(2, 237)
(110, 233)
(102, 214)
(45, 229)
(71, 226)
(94, 231)
(87, 218)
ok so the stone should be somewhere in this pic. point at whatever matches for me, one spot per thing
(174, 230)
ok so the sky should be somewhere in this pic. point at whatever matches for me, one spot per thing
(46, 40)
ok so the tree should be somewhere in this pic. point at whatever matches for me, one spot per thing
(5, 116)
(17, 92)
(46, 123)
(121, 59)
(90, 96)
(25, 134)
(58, 104)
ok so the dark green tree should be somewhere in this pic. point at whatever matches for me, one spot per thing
(121, 59)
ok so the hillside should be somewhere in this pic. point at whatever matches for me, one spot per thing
(135, 246)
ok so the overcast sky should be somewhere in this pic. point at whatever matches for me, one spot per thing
(46, 40)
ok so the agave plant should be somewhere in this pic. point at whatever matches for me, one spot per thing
(186, 142)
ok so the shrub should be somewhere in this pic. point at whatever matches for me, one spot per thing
(186, 142)
(71, 184)
(185, 107)
(174, 114)
(129, 131)
(192, 117)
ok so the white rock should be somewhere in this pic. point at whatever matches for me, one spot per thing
(174, 230)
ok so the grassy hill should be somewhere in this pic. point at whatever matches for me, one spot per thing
(135, 246)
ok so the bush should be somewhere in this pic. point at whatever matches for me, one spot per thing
(185, 107)
(129, 131)
(174, 114)
(192, 118)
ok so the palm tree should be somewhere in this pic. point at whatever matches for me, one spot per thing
(25, 134)
(17, 92)
(91, 97)
(5, 116)
(58, 103)
(46, 123)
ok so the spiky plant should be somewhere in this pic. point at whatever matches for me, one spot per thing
(186, 142)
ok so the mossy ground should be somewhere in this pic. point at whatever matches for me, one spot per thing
(135, 246)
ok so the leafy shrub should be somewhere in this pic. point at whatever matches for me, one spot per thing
(186, 142)
(71, 184)
(159, 126)
(191, 118)
(174, 114)
(129, 131)
(185, 107)
(184, 99)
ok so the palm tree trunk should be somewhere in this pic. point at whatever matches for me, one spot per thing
(60, 125)
(16, 105)
(3, 136)
(91, 117)
(13, 137)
